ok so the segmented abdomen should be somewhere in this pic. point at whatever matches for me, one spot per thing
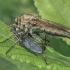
(56, 32)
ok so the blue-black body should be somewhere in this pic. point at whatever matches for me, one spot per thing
(27, 41)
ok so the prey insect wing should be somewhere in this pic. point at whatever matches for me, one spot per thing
(30, 44)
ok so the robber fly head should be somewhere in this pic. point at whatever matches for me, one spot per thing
(18, 23)
(25, 19)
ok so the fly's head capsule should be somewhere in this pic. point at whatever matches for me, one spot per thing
(26, 21)
(13, 27)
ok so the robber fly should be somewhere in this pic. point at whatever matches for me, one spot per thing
(33, 22)
(26, 40)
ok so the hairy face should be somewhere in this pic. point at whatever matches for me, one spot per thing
(23, 22)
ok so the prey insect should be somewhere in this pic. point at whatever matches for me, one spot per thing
(47, 26)
(26, 40)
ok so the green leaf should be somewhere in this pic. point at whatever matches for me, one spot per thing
(6, 64)
(57, 11)
(9, 64)
(19, 51)
(28, 60)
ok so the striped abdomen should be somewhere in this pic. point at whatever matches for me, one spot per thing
(51, 28)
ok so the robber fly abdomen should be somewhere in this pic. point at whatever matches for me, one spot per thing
(53, 31)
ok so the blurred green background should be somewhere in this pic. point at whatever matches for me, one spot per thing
(9, 8)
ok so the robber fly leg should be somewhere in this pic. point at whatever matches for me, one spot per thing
(46, 37)
(34, 36)
(46, 41)
(18, 39)
(43, 48)
(7, 39)
(12, 47)
(13, 44)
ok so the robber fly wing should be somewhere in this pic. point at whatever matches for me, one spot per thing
(56, 25)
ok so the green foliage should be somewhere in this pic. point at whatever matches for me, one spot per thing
(57, 11)
(57, 55)
(54, 59)
(7, 64)
(53, 10)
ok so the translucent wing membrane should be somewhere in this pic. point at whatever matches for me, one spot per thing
(31, 44)
(57, 25)
(51, 24)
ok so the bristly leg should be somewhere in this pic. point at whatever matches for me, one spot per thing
(11, 47)
(18, 39)
(43, 47)
(45, 40)
(34, 36)
(44, 57)
(6, 39)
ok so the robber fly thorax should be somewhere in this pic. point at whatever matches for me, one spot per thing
(33, 22)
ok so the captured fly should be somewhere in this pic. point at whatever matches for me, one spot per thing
(26, 40)
(49, 27)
